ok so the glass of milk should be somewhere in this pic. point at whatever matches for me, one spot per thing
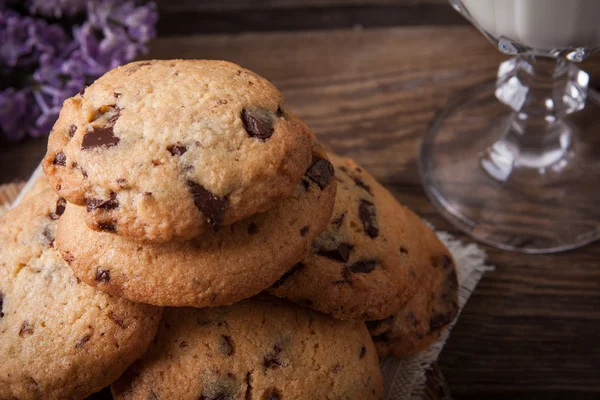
(516, 162)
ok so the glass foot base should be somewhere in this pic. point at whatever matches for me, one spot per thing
(509, 199)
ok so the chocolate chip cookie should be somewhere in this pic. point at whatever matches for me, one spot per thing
(59, 338)
(261, 348)
(427, 314)
(365, 264)
(218, 269)
(163, 150)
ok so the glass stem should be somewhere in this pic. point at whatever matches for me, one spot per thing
(541, 92)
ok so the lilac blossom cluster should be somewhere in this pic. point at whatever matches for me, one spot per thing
(51, 49)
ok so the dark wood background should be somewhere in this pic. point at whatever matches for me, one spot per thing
(368, 76)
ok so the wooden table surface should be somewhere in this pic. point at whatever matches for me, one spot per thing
(530, 329)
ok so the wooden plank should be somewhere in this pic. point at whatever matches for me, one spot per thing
(195, 5)
(189, 18)
(530, 330)
(18, 160)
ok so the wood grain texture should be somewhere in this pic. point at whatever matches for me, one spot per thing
(195, 5)
(193, 17)
(530, 330)
(18, 160)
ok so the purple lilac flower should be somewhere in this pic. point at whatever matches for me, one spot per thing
(140, 22)
(15, 44)
(22, 35)
(57, 80)
(56, 8)
(46, 65)
(115, 32)
(15, 107)
(25, 42)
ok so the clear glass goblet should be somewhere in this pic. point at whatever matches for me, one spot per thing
(516, 163)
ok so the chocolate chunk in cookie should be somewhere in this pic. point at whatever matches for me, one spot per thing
(257, 123)
(100, 137)
(340, 253)
(109, 204)
(362, 266)
(60, 159)
(60, 208)
(103, 275)
(210, 205)
(226, 345)
(368, 216)
(321, 171)
(177, 150)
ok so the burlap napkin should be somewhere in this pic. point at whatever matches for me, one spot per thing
(404, 378)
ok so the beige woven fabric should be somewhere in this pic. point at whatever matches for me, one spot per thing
(8, 194)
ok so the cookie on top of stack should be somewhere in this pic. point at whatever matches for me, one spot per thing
(186, 188)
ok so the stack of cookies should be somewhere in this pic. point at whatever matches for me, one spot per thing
(197, 242)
